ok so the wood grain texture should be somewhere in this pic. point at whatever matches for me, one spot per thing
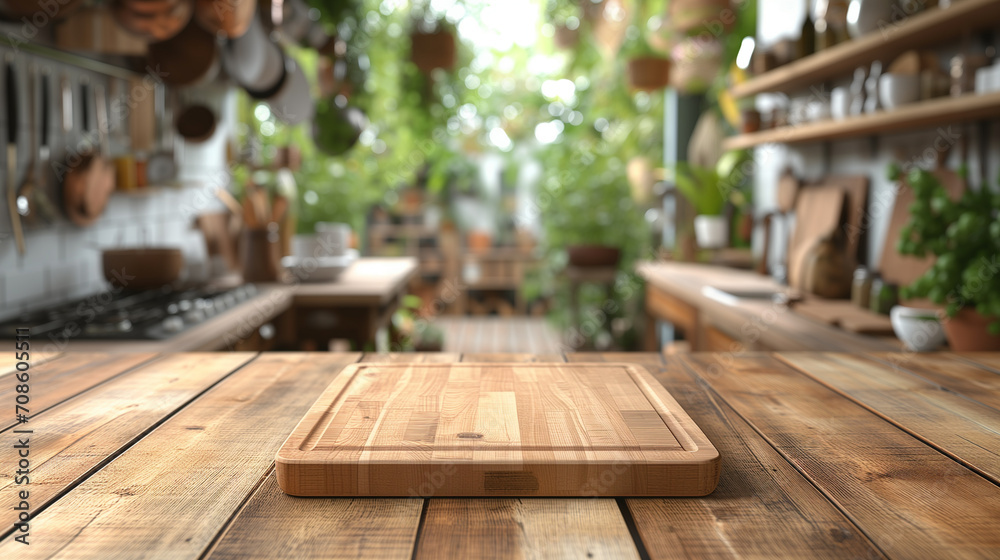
(171, 493)
(74, 438)
(273, 524)
(962, 376)
(496, 429)
(964, 429)
(911, 500)
(36, 359)
(988, 359)
(536, 528)
(762, 508)
(55, 381)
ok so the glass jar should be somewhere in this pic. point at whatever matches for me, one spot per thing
(883, 296)
(861, 288)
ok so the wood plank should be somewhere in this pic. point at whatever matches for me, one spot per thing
(942, 111)
(54, 382)
(762, 508)
(170, 494)
(36, 359)
(921, 31)
(965, 377)
(911, 500)
(513, 528)
(965, 430)
(273, 524)
(73, 439)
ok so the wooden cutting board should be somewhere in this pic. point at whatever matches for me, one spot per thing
(817, 214)
(470, 429)
(902, 270)
(846, 315)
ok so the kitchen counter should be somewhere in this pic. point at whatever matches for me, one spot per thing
(823, 455)
(675, 293)
(374, 284)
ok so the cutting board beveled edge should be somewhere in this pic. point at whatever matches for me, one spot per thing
(637, 469)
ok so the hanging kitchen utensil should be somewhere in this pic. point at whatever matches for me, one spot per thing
(188, 58)
(161, 168)
(91, 177)
(293, 103)
(230, 18)
(154, 20)
(32, 201)
(243, 57)
(196, 123)
(12, 122)
(17, 9)
(273, 75)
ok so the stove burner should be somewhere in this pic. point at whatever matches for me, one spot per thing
(148, 315)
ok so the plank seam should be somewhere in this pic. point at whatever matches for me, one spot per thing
(888, 419)
(850, 518)
(125, 447)
(420, 528)
(210, 547)
(145, 363)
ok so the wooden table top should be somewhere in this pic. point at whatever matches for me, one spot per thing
(785, 330)
(823, 455)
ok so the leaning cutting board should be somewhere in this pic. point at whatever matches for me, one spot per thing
(470, 429)
(818, 213)
(903, 270)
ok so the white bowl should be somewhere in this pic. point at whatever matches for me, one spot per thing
(895, 90)
(919, 329)
(319, 269)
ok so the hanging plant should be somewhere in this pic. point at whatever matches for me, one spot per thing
(648, 69)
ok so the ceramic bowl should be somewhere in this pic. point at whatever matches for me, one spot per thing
(919, 329)
(895, 90)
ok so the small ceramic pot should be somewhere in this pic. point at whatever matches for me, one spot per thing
(896, 90)
(711, 231)
(918, 329)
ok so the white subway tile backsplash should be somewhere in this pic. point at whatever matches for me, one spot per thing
(24, 287)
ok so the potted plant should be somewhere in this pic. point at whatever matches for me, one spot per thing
(648, 68)
(705, 189)
(432, 40)
(964, 236)
(564, 15)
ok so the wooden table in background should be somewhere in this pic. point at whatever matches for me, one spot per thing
(823, 456)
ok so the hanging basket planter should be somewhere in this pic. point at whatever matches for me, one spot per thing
(648, 73)
(713, 16)
(566, 38)
(433, 50)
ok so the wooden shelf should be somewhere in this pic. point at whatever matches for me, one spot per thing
(926, 29)
(925, 114)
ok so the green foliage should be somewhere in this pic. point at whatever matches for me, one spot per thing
(701, 187)
(964, 235)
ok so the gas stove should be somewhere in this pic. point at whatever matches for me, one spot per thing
(146, 315)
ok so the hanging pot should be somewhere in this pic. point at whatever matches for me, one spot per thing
(293, 102)
(189, 58)
(272, 75)
(17, 9)
(243, 57)
(433, 50)
(336, 130)
(648, 73)
(154, 20)
(195, 123)
(230, 18)
(593, 256)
